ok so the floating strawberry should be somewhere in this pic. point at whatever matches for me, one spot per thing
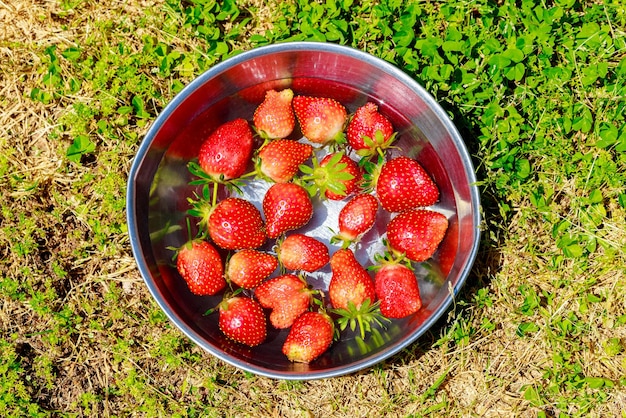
(352, 294)
(417, 233)
(310, 336)
(242, 319)
(350, 282)
(274, 117)
(235, 224)
(356, 218)
(334, 177)
(200, 265)
(225, 154)
(248, 268)
(279, 160)
(287, 206)
(397, 289)
(369, 132)
(321, 118)
(302, 252)
(288, 296)
(404, 184)
(350, 185)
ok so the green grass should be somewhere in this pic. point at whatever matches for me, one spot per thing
(538, 90)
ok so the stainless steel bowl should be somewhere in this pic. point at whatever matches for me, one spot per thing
(158, 189)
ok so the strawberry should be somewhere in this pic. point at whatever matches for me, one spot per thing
(235, 223)
(334, 177)
(274, 117)
(369, 132)
(248, 268)
(321, 118)
(417, 233)
(350, 185)
(309, 337)
(200, 265)
(404, 184)
(225, 154)
(287, 206)
(350, 282)
(242, 319)
(356, 218)
(288, 296)
(279, 160)
(397, 290)
(302, 252)
(352, 294)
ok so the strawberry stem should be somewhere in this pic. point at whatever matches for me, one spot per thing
(372, 172)
(214, 197)
(343, 241)
(376, 146)
(390, 256)
(188, 222)
(331, 176)
(250, 174)
(201, 206)
(362, 317)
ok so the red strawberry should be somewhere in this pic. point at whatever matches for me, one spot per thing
(248, 268)
(349, 185)
(350, 282)
(417, 233)
(302, 252)
(352, 293)
(279, 160)
(242, 319)
(309, 337)
(225, 154)
(200, 265)
(287, 296)
(334, 177)
(274, 117)
(321, 118)
(369, 132)
(235, 223)
(356, 218)
(397, 290)
(286, 206)
(404, 184)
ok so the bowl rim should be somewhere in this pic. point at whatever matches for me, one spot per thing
(322, 47)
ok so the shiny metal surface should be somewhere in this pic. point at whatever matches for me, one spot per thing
(158, 190)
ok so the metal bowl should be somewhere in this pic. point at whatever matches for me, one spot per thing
(158, 189)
